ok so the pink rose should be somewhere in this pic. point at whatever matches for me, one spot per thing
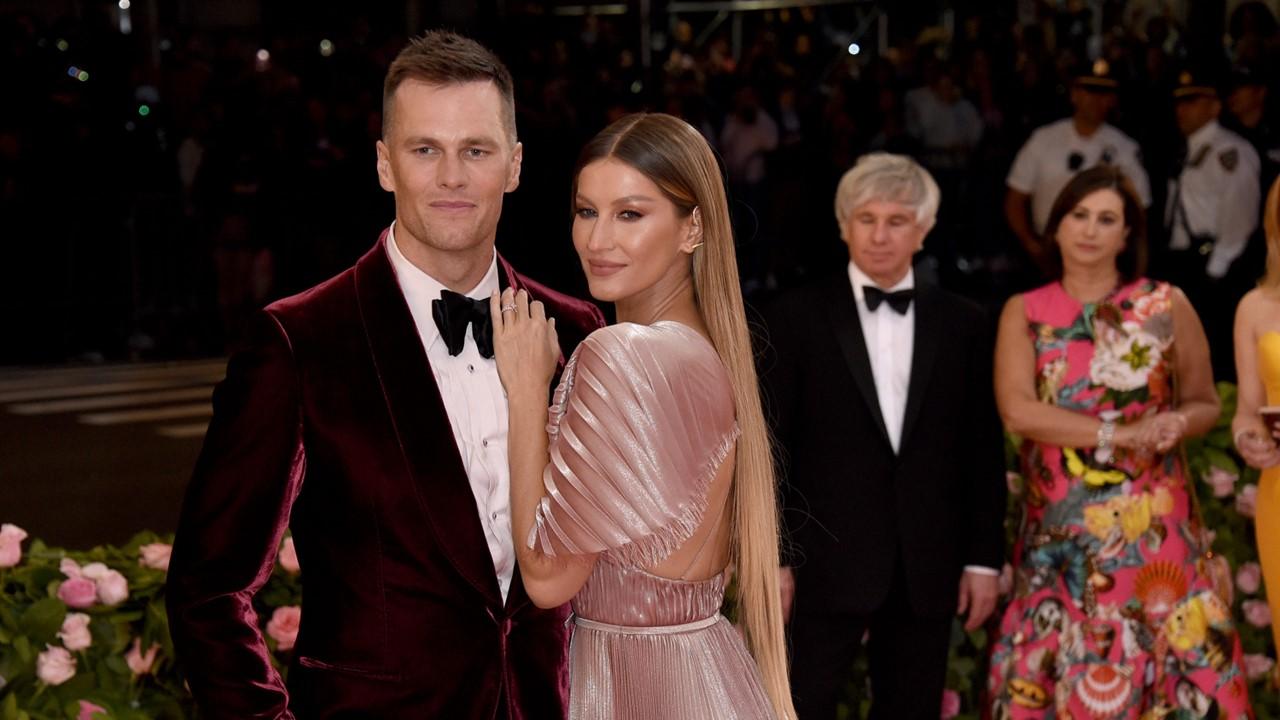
(289, 557)
(950, 704)
(113, 589)
(69, 567)
(11, 537)
(1248, 577)
(139, 662)
(155, 556)
(55, 665)
(1147, 306)
(89, 711)
(78, 592)
(1222, 481)
(1247, 500)
(75, 632)
(1256, 612)
(283, 626)
(1255, 666)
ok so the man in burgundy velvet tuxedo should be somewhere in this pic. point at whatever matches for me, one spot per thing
(366, 415)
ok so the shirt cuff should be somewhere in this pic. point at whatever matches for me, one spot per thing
(982, 570)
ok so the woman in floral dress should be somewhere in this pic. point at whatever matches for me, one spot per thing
(1114, 614)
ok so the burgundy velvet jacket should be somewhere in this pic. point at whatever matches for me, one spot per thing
(330, 423)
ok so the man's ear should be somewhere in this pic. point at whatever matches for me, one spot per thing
(517, 156)
(385, 177)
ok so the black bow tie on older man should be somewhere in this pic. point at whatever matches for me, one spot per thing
(453, 312)
(899, 300)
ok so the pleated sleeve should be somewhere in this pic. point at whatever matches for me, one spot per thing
(641, 421)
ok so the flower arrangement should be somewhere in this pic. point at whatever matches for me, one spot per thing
(84, 635)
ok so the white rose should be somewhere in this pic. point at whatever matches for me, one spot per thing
(94, 571)
(113, 589)
(75, 632)
(55, 665)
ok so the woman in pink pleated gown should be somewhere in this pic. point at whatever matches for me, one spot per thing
(652, 481)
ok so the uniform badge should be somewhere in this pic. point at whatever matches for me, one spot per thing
(1229, 159)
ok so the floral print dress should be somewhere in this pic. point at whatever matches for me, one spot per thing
(1113, 614)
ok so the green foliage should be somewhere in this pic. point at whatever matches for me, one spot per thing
(31, 616)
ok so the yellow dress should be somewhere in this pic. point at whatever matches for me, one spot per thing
(1267, 520)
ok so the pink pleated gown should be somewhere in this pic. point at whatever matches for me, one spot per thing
(642, 419)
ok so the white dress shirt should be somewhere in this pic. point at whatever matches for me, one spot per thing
(1043, 165)
(890, 338)
(1220, 195)
(474, 400)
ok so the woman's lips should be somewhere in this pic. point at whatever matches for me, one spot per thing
(603, 269)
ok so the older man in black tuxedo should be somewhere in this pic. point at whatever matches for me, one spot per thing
(880, 392)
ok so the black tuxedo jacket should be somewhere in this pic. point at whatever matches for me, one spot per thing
(852, 508)
(330, 422)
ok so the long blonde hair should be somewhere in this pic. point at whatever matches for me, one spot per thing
(678, 160)
(1271, 223)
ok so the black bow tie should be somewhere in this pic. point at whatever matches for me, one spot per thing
(900, 300)
(453, 312)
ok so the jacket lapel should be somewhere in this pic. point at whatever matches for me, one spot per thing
(421, 423)
(843, 313)
(923, 354)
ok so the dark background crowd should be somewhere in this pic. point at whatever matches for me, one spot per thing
(168, 167)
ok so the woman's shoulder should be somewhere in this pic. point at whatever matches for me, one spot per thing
(1039, 301)
(1258, 301)
(665, 339)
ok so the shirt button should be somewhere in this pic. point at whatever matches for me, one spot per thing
(493, 516)
(471, 368)
(484, 443)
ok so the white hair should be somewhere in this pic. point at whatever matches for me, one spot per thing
(891, 178)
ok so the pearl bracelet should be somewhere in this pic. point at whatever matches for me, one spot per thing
(1106, 435)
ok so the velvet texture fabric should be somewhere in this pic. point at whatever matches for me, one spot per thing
(329, 422)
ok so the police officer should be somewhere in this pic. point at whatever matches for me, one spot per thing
(1249, 114)
(1212, 212)
(1057, 151)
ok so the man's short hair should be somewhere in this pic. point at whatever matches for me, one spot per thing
(891, 178)
(441, 57)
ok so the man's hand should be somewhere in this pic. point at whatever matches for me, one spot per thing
(787, 588)
(978, 593)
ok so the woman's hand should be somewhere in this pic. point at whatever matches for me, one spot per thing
(1156, 433)
(524, 343)
(1257, 449)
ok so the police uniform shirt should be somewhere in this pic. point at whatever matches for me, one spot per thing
(1056, 152)
(1217, 194)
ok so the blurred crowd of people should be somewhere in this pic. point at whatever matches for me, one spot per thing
(153, 196)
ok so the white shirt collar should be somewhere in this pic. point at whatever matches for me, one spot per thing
(858, 279)
(420, 289)
(1203, 135)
